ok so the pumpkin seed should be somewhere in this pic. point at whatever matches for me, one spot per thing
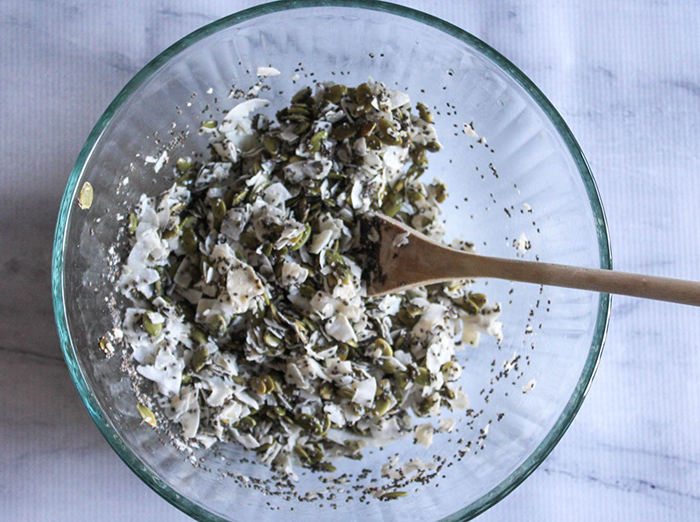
(367, 128)
(198, 336)
(271, 144)
(301, 96)
(423, 377)
(153, 329)
(218, 208)
(106, 346)
(86, 196)
(478, 299)
(132, 225)
(381, 406)
(343, 131)
(183, 165)
(363, 94)
(302, 239)
(384, 346)
(239, 198)
(189, 241)
(392, 204)
(271, 339)
(199, 359)
(308, 423)
(246, 423)
(373, 142)
(147, 415)
(424, 112)
(433, 146)
(316, 141)
(335, 93)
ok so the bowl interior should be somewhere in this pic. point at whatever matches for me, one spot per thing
(526, 176)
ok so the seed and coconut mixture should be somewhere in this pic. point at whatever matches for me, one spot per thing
(250, 313)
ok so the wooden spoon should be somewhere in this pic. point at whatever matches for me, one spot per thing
(402, 258)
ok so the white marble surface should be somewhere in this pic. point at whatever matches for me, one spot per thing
(626, 77)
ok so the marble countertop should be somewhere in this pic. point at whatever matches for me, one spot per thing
(625, 77)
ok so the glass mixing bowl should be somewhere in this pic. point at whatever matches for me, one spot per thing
(526, 176)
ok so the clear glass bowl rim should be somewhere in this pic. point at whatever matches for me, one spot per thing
(69, 352)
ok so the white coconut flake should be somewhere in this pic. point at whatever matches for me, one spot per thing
(267, 71)
(364, 392)
(400, 240)
(423, 434)
(529, 385)
(446, 425)
(522, 244)
(339, 328)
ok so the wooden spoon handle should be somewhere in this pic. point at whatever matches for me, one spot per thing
(595, 279)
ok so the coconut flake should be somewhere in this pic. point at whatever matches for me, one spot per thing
(267, 71)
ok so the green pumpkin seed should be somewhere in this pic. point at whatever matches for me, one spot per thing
(387, 132)
(147, 415)
(183, 165)
(211, 124)
(132, 225)
(199, 359)
(302, 239)
(301, 452)
(402, 380)
(198, 336)
(246, 424)
(384, 346)
(316, 141)
(424, 113)
(271, 144)
(388, 367)
(308, 423)
(335, 93)
(392, 204)
(373, 142)
(381, 406)
(302, 127)
(153, 329)
(343, 131)
(218, 325)
(106, 346)
(189, 241)
(187, 179)
(262, 384)
(345, 393)
(433, 146)
(239, 198)
(218, 209)
(367, 128)
(271, 339)
(189, 222)
(468, 306)
(423, 377)
(86, 196)
(307, 290)
(363, 94)
(301, 96)
(478, 299)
